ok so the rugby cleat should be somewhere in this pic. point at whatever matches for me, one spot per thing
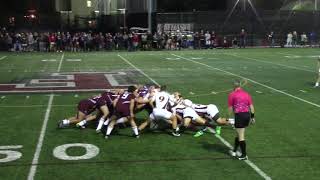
(107, 137)
(98, 131)
(198, 134)
(80, 126)
(61, 125)
(218, 130)
(176, 134)
(242, 158)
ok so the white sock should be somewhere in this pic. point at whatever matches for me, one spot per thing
(135, 130)
(204, 129)
(65, 121)
(109, 131)
(231, 121)
(121, 120)
(106, 122)
(101, 121)
(82, 123)
(317, 84)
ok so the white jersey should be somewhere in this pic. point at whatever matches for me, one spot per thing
(178, 109)
(210, 110)
(162, 100)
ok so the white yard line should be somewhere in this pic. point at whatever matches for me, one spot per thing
(253, 81)
(3, 57)
(286, 66)
(138, 69)
(60, 63)
(36, 156)
(260, 172)
(287, 54)
(251, 164)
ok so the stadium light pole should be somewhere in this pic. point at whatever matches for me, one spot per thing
(150, 4)
(123, 11)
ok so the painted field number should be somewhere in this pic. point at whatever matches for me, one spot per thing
(60, 152)
(10, 155)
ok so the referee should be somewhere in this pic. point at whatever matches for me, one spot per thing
(240, 104)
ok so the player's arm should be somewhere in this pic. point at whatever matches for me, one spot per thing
(230, 107)
(151, 102)
(132, 102)
(230, 112)
(141, 100)
(252, 111)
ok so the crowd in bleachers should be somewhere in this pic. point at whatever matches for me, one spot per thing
(131, 41)
(98, 41)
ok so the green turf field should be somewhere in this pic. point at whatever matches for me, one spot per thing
(283, 144)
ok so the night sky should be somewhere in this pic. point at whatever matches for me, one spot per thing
(21, 6)
(48, 6)
(190, 5)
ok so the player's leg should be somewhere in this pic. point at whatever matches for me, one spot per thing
(134, 126)
(83, 122)
(318, 80)
(104, 112)
(72, 120)
(110, 126)
(242, 143)
(175, 128)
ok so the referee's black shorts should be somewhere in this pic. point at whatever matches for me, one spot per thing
(242, 119)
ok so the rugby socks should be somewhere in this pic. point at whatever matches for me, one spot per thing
(101, 121)
(231, 121)
(204, 129)
(109, 129)
(243, 148)
(121, 120)
(106, 122)
(135, 130)
(82, 123)
(210, 125)
(66, 121)
(236, 144)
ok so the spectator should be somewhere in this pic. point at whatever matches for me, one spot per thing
(313, 39)
(243, 38)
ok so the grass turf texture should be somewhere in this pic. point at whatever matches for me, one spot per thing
(284, 143)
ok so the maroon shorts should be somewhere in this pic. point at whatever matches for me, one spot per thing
(122, 112)
(86, 107)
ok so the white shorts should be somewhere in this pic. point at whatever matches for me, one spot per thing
(188, 112)
(212, 110)
(160, 114)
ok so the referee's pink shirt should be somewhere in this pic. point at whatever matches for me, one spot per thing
(239, 100)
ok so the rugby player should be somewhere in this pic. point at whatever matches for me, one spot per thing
(161, 103)
(211, 113)
(124, 108)
(190, 115)
(109, 97)
(85, 109)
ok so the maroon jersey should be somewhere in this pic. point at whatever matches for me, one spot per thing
(87, 106)
(109, 97)
(123, 105)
